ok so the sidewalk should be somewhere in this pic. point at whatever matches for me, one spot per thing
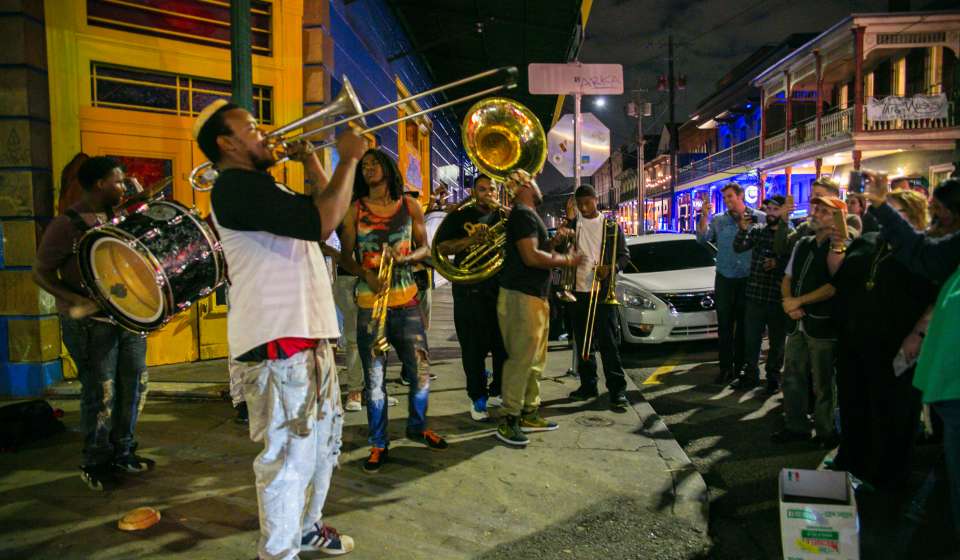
(605, 484)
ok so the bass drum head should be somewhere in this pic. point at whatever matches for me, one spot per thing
(127, 280)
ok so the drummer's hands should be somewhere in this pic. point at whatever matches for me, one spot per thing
(350, 146)
(82, 307)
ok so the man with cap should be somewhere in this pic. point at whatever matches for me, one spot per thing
(280, 320)
(811, 340)
(763, 299)
(595, 239)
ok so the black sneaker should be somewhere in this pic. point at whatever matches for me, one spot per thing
(509, 432)
(584, 394)
(429, 438)
(378, 456)
(789, 436)
(771, 388)
(744, 383)
(326, 539)
(243, 415)
(619, 402)
(133, 463)
(98, 477)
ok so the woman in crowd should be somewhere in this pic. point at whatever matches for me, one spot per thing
(879, 302)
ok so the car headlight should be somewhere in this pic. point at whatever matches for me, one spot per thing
(639, 300)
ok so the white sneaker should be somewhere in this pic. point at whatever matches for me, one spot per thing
(494, 402)
(478, 415)
(392, 401)
(353, 405)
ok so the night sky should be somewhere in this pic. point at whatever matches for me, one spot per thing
(710, 38)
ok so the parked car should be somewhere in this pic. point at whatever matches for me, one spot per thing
(666, 293)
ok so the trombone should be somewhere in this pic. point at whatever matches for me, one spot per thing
(611, 297)
(347, 105)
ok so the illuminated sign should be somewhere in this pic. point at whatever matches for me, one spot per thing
(752, 194)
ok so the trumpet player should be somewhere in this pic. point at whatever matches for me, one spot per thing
(384, 223)
(280, 319)
(596, 239)
(475, 305)
(523, 311)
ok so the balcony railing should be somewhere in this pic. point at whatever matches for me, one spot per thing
(912, 124)
(738, 154)
(774, 144)
(802, 134)
(836, 124)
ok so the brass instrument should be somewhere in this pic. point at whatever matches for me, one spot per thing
(569, 274)
(500, 136)
(378, 319)
(611, 297)
(347, 105)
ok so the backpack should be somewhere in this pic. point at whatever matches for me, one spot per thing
(23, 423)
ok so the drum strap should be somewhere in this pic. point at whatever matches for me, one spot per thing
(76, 220)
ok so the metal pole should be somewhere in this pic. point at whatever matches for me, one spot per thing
(674, 141)
(241, 63)
(576, 140)
(641, 178)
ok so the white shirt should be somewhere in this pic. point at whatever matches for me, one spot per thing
(589, 240)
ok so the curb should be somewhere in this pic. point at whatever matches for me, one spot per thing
(690, 490)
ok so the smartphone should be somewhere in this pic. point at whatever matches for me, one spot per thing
(754, 218)
(856, 182)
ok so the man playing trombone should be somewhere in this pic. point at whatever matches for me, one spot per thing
(595, 313)
(475, 305)
(280, 320)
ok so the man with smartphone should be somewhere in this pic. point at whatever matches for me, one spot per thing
(733, 270)
(763, 298)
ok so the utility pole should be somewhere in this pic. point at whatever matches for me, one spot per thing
(576, 141)
(639, 109)
(241, 62)
(674, 141)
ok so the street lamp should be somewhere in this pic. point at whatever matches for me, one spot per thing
(600, 102)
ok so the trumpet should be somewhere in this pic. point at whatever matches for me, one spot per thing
(347, 105)
(378, 321)
(611, 296)
(569, 275)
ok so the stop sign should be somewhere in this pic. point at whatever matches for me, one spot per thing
(594, 145)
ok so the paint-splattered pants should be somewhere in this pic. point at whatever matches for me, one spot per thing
(405, 333)
(295, 411)
(111, 365)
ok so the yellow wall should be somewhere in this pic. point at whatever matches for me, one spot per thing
(71, 47)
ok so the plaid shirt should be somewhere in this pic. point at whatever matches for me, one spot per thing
(763, 285)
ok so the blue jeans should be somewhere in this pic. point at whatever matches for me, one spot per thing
(111, 365)
(949, 412)
(405, 333)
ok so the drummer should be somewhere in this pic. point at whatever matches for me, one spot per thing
(110, 360)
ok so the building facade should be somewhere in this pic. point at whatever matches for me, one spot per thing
(127, 80)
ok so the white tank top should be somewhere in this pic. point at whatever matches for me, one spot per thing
(279, 288)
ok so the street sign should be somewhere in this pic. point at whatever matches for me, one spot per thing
(574, 77)
(594, 145)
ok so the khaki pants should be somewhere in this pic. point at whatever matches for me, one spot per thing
(525, 325)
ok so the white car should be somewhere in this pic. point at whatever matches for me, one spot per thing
(666, 292)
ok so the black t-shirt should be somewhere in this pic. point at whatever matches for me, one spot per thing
(251, 201)
(523, 223)
(877, 319)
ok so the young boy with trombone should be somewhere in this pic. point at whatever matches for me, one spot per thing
(603, 245)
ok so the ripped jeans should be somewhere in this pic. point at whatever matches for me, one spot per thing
(405, 333)
(111, 365)
(295, 411)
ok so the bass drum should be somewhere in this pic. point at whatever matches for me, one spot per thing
(432, 221)
(148, 265)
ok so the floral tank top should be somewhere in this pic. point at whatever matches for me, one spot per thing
(373, 231)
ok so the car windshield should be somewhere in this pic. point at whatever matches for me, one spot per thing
(677, 254)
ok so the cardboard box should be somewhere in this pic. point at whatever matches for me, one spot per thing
(818, 515)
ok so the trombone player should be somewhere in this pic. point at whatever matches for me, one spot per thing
(597, 240)
(475, 304)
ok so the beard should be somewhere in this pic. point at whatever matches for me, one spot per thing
(772, 220)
